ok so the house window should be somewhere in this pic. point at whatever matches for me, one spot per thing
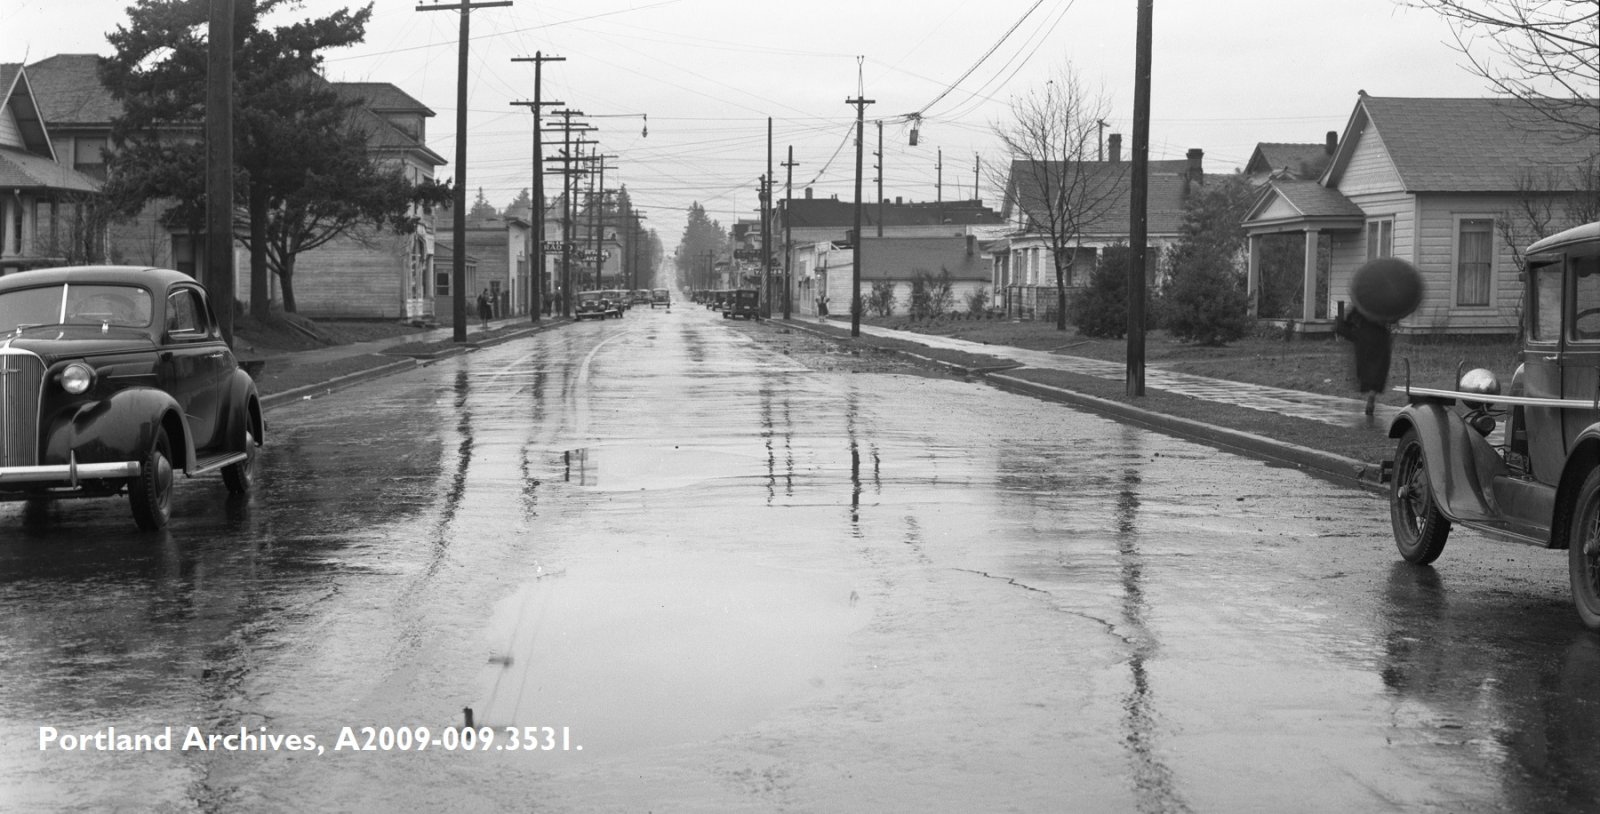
(1380, 239)
(1474, 260)
(185, 251)
(441, 283)
(88, 156)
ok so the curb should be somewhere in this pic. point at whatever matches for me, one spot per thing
(399, 365)
(337, 383)
(1326, 464)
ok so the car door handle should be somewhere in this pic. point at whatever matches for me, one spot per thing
(1550, 358)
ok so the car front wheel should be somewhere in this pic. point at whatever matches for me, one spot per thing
(1583, 552)
(150, 492)
(1420, 529)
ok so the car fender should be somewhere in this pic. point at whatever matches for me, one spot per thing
(119, 427)
(1582, 457)
(244, 412)
(1460, 463)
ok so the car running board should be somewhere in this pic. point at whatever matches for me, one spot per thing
(215, 462)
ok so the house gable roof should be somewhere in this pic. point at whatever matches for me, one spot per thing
(1291, 201)
(70, 92)
(902, 257)
(21, 107)
(1166, 185)
(831, 213)
(1461, 145)
(1296, 160)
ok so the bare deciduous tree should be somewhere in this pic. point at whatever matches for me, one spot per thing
(1057, 180)
(1548, 55)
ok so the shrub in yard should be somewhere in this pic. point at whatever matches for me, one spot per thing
(881, 300)
(931, 296)
(1101, 308)
(978, 300)
(1203, 299)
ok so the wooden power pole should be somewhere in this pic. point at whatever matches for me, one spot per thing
(536, 249)
(855, 249)
(458, 276)
(1138, 202)
(219, 169)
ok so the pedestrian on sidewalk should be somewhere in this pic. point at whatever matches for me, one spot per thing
(1372, 348)
(485, 309)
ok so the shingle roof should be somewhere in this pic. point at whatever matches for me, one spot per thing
(23, 170)
(901, 257)
(1165, 188)
(383, 97)
(832, 213)
(1470, 145)
(69, 91)
(1315, 200)
(1302, 160)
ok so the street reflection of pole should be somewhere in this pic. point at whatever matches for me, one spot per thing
(1156, 789)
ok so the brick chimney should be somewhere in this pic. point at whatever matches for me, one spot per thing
(808, 193)
(1332, 142)
(1114, 147)
(1194, 176)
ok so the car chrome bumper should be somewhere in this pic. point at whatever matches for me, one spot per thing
(70, 473)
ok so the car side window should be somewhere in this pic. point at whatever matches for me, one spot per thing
(1586, 298)
(186, 317)
(1546, 317)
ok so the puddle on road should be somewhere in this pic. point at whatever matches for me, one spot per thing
(663, 649)
(630, 468)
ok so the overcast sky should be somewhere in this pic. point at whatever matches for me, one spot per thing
(1227, 74)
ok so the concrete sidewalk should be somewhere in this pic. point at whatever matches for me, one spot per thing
(1335, 410)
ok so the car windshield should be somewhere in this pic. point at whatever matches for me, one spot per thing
(75, 304)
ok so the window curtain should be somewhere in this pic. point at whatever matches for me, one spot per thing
(1473, 262)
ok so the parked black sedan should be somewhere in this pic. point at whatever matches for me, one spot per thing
(112, 378)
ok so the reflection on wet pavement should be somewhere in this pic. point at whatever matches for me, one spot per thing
(744, 584)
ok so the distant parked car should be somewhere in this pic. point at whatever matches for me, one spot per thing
(660, 296)
(743, 303)
(594, 305)
(111, 379)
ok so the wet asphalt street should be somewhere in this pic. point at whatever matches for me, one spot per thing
(673, 564)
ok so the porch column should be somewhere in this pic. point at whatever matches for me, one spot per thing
(1308, 300)
(1252, 277)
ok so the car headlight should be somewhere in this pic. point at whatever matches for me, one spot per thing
(77, 378)
(1480, 380)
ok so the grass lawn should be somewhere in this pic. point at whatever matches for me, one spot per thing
(1319, 365)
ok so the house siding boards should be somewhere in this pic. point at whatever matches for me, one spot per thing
(1370, 169)
(1428, 165)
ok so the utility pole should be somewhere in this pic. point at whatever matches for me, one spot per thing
(219, 281)
(879, 179)
(766, 227)
(599, 220)
(938, 184)
(860, 103)
(567, 194)
(788, 250)
(1099, 140)
(458, 277)
(1138, 201)
(977, 169)
(536, 251)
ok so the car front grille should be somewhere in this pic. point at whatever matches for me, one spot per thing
(21, 382)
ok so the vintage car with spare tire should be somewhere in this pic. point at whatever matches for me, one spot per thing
(114, 378)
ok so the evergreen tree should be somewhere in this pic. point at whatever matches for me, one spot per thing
(304, 175)
(1204, 297)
